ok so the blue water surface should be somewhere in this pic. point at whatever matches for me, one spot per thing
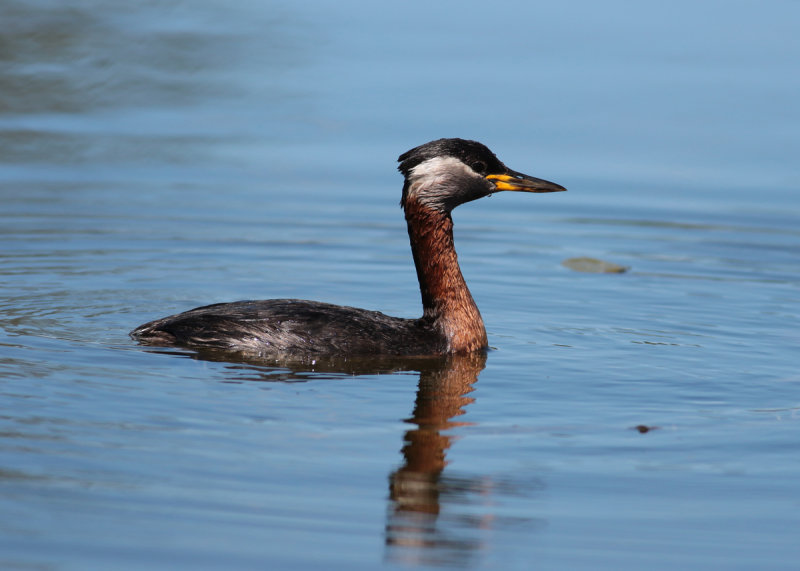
(159, 156)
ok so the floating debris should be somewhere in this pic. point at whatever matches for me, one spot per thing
(642, 428)
(593, 266)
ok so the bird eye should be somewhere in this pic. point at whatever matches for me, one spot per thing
(479, 167)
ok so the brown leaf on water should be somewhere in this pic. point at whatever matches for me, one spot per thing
(593, 266)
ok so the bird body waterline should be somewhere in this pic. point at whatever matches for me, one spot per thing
(439, 176)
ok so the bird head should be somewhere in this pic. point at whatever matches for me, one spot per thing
(447, 172)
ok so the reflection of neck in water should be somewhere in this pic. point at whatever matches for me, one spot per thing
(417, 488)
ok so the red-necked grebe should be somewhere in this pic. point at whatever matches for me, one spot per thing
(439, 176)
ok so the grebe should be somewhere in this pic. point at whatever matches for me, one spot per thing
(439, 176)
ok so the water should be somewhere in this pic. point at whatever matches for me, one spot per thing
(165, 155)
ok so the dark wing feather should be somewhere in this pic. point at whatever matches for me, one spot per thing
(285, 326)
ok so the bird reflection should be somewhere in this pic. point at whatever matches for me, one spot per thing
(432, 516)
(418, 490)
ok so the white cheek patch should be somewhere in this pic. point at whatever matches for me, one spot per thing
(434, 180)
(437, 166)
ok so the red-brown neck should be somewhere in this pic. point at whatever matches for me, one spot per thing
(446, 300)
